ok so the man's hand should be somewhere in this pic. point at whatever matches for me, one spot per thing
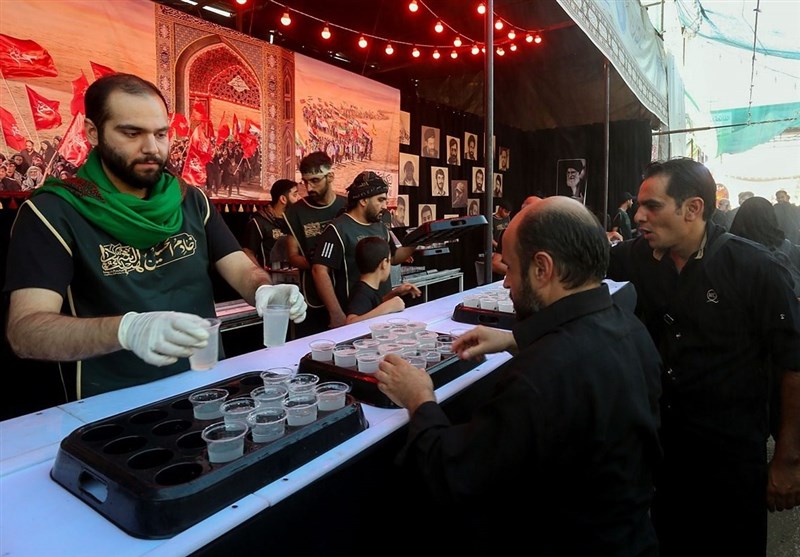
(395, 304)
(404, 384)
(161, 337)
(288, 294)
(337, 319)
(483, 340)
(407, 288)
(783, 486)
(614, 236)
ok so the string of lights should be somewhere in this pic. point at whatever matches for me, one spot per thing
(461, 41)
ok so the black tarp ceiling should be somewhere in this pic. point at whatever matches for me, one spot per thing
(558, 83)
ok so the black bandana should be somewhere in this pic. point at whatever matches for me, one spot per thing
(366, 184)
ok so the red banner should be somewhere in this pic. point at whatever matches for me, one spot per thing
(178, 126)
(45, 111)
(198, 113)
(24, 58)
(79, 87)
(100, 70)
(223, 133)
(75, 147)
(235, 128)
(197, 155)
(11, 132)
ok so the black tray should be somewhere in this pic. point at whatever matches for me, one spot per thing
(364, 386)
(488, 317)
(439, 231)
(147, 470)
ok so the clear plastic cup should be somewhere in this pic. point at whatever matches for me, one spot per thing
(427, 336)
(432, 357)
(344, 356)
(417, 326)
(207, 357)
(303, 383)
(505, 306)
(301, 408)
(225, 441)
(489, 302)
(404, 332)
(386, 337)
(417, 362)
(368, 361)
(379, 328)
(322, 350)
(277, 375)
(267, 423)
(397, 321)
(270, 396)
(276, 324)
(237, 409)
(472, 301)
(389, 348)
(331, 395)
(366, 345)
(408, 343)
(206, 403)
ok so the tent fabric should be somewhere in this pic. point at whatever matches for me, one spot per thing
(742, 138)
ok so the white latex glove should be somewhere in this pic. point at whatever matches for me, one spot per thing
(161, 337)
(288, 294)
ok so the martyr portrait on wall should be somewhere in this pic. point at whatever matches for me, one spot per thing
(409, 170)
(439, 181)
(405, 128)
(478, 181)
(458, 199)
(453, 150)
(427, 213)
(400, 213)
(470, 146)
(497, 188)
(430, 142)
(572, 179)
(473, 207)
(504, 158)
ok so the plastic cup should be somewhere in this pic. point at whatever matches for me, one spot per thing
(303, 383)
(237, 409)
(488, 302)
(386, 337)
(331, 395)
(276, 375)
(225, 441)
(379, 328)
(505, 306)
(276, 323)
(427, 336)
(267, 423)
(432, 357)
(417, 362)
(404, 332)
(301, 408)
(397, 321)
(206, 403)
(322, 350)
(208, 356)
(344, 356)
(472, 301)
(368, 361)
(270, 396)
(366, 345)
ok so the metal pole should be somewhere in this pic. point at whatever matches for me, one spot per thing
(606, 135)
(488, 133)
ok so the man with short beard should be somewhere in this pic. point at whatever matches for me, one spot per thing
(570, 432)
(130, 247)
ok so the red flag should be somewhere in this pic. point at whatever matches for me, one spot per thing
(249, 144)
(197, 155)
(45, 111)
(101, 71)
(75, 147)
(178, 126)
(235, 128)
(24, 58)
(223, 133)
(251, 127)
(11, 133)
(79, 87)
(198, 113)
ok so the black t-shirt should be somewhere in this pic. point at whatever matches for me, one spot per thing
(262, 232)
(363, 299)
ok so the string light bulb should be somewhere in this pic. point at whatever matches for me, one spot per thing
(413, 6)
(286, 19)
(436, 55)
(501, 51)
(457, 41)
(537, 39)
(528, 38)
(326, 32)
(241, 2)
(513, 47)
(498, 24)
(453, 54)
(475, 50)
(415, 52)
(362, 42)
(438, 27)
(512, 35)
(389, 49)
(481, 8)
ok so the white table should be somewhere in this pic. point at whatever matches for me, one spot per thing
(39, 518)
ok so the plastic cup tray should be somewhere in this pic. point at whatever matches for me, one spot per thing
(488, 317)
(147, 470)
(364, 386)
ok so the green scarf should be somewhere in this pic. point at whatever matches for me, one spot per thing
(141, 223)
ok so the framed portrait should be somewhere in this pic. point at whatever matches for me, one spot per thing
(458, 194)
(473, 207)
(400, 213)
(497, 185)
(470, 146)
(453, 150)
(409, 170)
(504, 159)
(572, 178)
(439, 181)
(430, 142)
(405, 128)
(427, 213)
(478, 180)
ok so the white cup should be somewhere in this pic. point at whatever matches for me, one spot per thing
(368, 362)
(225, 440)
(301, 408)
(276, 323)
(207, 357)
(322, 350)
(344, 356)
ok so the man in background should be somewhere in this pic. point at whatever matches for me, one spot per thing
(470, 153)
(788, 216)
(429, 147)
(453, 156)
(622, 220)
(267, 226)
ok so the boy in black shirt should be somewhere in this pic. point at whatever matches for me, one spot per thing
(372, 259)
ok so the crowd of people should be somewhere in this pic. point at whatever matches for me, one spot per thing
(340, 131)
(27, 169)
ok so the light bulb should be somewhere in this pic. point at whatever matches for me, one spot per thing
(362, 42)
(286, 19)
(512, 35)
(415, 52)
(513, 47)
(481, 8)
(498, 24)
(438, 27)
(389, 49)
(500, 51)
(475, 49)
(326, 33)
(454, 55)
(412, 6)
(457, 41)
(241, 2)
(528, 38)
(436, 54)
(537, 39)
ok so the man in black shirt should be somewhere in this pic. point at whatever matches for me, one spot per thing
(267, 226)
(570, 433)
(622, 221)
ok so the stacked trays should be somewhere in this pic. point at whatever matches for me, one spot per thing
(488, 317)
(147, 470)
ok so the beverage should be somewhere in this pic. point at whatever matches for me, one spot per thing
(207, 357)
(276, 324)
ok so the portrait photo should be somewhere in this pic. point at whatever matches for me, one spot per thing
(478, 185)
(427, 213)
(473, 207)
(458, 195)
(470, 146)
(572, 179)
(453, 150)
(439, 181)
(405, 128)
(497, 185)
(430, 142)
(409, 170)
(504, 158)
(400, 213)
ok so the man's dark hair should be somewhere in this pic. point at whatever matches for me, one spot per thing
(686, 178)
(96, 99)
(279, 188)
(573, 237)
(428, 209)
(370, 251)
(317, 162)
(479, 171)
(453, 142)
(505, 204)
(439, 172)
(401, 201)
(575, 164)
(430, 133)
(472, 139)
(408, 165)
